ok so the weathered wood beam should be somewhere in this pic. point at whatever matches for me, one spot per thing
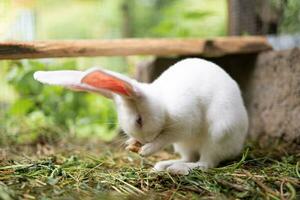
(125, 47)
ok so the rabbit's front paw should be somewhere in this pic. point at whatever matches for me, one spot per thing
(130, 141)
(148, 149)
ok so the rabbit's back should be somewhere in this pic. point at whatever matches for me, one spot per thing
(195, 78)
(197, 91)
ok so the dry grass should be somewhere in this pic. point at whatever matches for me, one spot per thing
(92, 171)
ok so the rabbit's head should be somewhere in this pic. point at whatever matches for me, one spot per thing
(142, 116)
(141, 113)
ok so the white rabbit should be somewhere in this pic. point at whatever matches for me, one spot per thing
(194, 105)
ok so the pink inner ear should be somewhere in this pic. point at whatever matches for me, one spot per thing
(104, 81)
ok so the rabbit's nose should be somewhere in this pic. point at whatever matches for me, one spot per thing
(142, 141)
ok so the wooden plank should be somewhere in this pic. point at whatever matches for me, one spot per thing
(126, 47)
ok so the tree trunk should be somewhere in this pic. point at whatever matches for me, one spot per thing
(127, 30)
(254, 17)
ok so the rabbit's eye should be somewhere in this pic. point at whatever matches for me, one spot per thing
(139, 121)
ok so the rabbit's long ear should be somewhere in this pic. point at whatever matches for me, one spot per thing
(68, 78)
(110, 81)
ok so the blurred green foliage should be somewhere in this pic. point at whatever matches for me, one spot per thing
(177, 18)
(41, 110)
(78, 19)
(145, 18)
(291, 17)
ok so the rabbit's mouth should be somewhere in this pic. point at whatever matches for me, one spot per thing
(145, 140)
(140, 139)
(145, 137)
(152, 138)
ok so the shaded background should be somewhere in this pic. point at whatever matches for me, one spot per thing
(30, 112)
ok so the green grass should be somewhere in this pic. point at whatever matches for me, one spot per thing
(93, 170)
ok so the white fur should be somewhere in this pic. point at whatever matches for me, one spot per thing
(194, 105)
(63, 77)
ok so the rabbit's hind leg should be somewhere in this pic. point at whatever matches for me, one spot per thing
(187, 155)
(210, 157)
(184, 168)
